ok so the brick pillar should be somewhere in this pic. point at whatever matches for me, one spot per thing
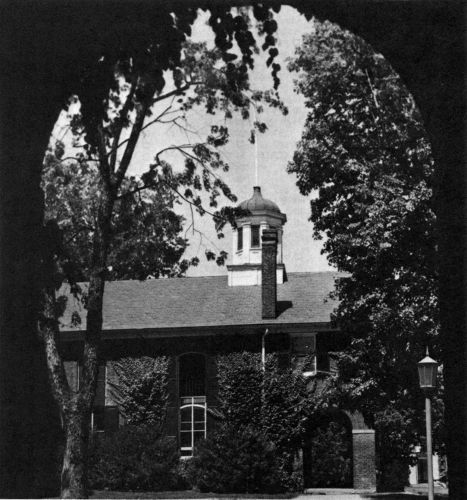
(268, 273)
(364, 465)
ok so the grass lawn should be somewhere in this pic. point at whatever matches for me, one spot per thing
(183, 494)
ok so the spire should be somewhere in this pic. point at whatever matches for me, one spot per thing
(255, 137)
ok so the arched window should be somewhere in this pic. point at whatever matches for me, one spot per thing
(192, 389)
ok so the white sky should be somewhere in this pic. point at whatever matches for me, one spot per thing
(275, 149)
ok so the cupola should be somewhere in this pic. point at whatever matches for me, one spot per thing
(258, 214)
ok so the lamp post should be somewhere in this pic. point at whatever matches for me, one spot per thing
(427, 371)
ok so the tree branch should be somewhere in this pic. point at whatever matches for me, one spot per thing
(74, 158)
(103, 163)
(176, 92)
(123, 115)
(193, 204)
(141, 111)
(135, 191)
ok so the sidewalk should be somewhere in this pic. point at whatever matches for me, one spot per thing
(416, 492)
(422, 489)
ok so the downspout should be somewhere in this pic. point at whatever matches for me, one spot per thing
(263, 350)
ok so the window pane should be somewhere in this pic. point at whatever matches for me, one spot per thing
(185, 426)
(199, 426)
(240, 238)
(192, 375)
(199, 414)
(185, 414)
(185, 439)
(255, 236)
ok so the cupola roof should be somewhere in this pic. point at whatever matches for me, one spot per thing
(259, 204)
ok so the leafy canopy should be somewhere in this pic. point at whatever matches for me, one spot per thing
(147, 233)
(366, 162)
(139, 388)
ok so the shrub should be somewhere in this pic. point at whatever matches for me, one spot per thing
(393, 476)
(236, 460)
(134, 458)
(331, 463)
(240, 383)
(140, 389)
(274, 402)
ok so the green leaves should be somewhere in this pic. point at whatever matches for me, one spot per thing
(365, 153)
(275, 403)
(139, 388)
(146, 231)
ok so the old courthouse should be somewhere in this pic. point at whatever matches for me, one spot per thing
(257, 305)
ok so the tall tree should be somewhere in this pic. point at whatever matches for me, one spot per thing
(147, 234)
(366, 162)
(117, 98)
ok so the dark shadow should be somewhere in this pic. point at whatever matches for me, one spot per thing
(282, 305)
(327, 451)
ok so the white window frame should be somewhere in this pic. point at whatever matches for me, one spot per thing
(194, 403)
(314, 369)
(311, 338)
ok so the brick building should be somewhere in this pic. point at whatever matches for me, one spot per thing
(191, 320)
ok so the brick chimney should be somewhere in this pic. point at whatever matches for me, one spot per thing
(268, 273)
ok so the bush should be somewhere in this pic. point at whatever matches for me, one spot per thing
(240, 380)
(331, 462)
(236, 460)
(393, 476)
(140, 389)
(274, 402)
(134, 458)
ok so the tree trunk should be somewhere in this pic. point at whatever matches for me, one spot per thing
(74, 470)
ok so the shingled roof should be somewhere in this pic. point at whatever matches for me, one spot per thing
(207, 302)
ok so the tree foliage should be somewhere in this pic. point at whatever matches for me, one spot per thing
(236, 459)
(331, 456)
(147, 239)
(134, 458)
(273, 401)
(118, 97)
(366, 162)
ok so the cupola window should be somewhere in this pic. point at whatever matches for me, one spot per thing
(240, 238)
(254, 236)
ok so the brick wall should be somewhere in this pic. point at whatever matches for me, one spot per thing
(268, 273)
(364, 470)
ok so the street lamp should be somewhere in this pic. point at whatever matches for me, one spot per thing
(427, 371)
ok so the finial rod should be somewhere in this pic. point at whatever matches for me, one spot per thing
(256, 144)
